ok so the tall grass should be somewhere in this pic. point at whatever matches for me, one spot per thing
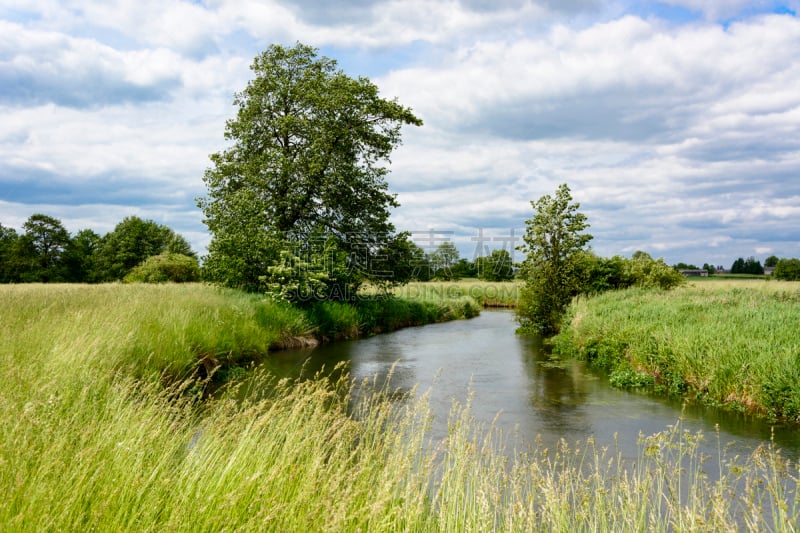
(727, 343)
(372, 314)
(167, 331)
(90, 442)
(127, 456)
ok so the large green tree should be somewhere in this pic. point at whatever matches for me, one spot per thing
(554, 268)
(306, 165)
(41, 248)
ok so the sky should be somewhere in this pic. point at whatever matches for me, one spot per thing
(676, 124)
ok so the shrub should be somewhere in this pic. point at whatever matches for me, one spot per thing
(165, 267)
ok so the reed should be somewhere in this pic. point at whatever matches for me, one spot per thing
(163, 330)
(729, 343)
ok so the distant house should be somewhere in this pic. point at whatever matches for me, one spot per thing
(768, 271)
(694, 272)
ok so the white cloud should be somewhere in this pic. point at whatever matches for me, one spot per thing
(679, 138)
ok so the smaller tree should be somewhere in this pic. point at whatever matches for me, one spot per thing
(606, 274)
(8, 246)
(771, 261)
(654, 273)
(747, 266)
(43, 244)
(495, 267)
(80, 255)
(132, 241)
(444, 261)
(787, 269)
(554, 268)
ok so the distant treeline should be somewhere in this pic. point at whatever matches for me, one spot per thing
(46, 252)
(787, 269)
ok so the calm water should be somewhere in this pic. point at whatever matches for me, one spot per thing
(535, 395)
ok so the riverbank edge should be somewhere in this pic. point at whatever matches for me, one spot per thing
(657, 362)
(373, 315)
(198, 332)
(366, 316)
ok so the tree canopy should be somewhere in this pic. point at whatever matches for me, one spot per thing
(305, 170)
(134, 240)
(46, 252)
(787, 269)
(751, 265)
(444, 260)
(554, 268)
(495, 267)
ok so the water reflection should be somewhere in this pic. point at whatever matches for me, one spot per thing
(536, 396)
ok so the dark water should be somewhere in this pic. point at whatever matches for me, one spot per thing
(536, 396)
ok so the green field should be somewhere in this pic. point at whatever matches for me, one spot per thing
(484, 293)
(100, 431)
(723, 342)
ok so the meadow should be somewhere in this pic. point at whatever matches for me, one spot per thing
(104, 427)
(484, 293)
(731, 343)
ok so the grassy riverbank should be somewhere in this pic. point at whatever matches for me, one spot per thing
(95, 438)
(178, 330)
(729, 343)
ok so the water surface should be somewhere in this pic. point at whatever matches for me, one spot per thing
(535, 395)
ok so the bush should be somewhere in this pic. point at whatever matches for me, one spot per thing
(787, 269)
(165, 267)
(334, 320)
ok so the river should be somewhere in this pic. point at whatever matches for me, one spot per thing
(537, 397)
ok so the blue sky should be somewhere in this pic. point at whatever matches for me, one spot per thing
(676, 124)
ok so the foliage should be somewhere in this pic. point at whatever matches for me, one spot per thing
(400, 261)
(787, 269)
(553, 269)
(47, 253)
(771, 261)
(711, 269)
(732, 344)
(8, 244)
(307, 163)
(293, 280)
(444, 260)
(496, 267)
(80, 257)
(41, 248)
(605, 274)
(653, 273)
(131, 242)
(747, 266)
(177, 268)
(369, 315)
